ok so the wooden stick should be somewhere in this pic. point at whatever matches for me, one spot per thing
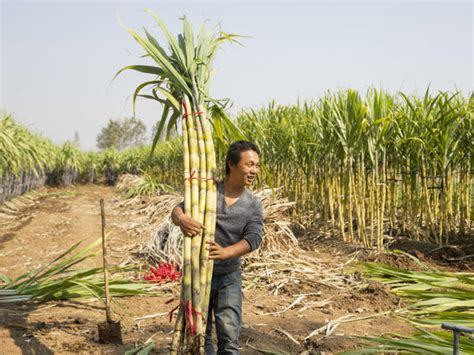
(104, 258)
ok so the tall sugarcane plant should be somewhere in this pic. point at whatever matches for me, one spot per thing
(365, 167)
(25, 159)
(181, 79)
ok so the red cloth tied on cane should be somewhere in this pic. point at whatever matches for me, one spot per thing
(189, 313)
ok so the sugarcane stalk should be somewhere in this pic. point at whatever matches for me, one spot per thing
(200, 167)
(382, 203)
(210, 215)
(340, 205)
(349, 203)
(180, 324)
(191, 291)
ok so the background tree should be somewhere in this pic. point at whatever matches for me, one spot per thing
(121, 134)
(76, 140)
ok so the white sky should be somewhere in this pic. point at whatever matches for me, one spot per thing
(58, 58)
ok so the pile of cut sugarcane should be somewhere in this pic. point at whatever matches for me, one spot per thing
(181, 85)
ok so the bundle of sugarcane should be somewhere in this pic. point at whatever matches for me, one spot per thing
(181, 85)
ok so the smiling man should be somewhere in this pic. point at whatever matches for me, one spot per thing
(239, 227)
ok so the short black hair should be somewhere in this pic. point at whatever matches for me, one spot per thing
(234, 153)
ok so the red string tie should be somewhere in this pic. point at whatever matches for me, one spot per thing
(172, 311)
(191, 177)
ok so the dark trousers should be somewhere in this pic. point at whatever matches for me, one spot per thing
(226, 306)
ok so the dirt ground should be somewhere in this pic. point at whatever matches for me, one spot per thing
(61, 217)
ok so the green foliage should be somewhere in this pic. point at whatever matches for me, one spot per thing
(435, 297)
(109, 164)
(134, 160)
(59, 281)
(185, 70)
(360, 160)
(423, 342)
(21, 150)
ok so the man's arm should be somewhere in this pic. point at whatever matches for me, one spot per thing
(253, 231)
(251, 239)
(190, 227)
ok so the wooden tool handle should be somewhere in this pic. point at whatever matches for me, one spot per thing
(108, 313)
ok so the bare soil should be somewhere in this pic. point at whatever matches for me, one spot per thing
(64, 216)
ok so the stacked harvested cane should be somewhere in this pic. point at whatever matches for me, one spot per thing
(181, 84)
(200, 204)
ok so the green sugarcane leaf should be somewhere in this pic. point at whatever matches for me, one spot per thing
(170, 98)
(188, 39)
(161, 125)
(140, 88)
(7, 292)
(152, 97)
(147, 69)
(141, 350)
(171, 39)
(156, 53)
(5, 279)
(172, 123)
(15, 299)
(449, 306)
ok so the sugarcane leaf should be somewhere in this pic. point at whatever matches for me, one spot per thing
(140, 88)
(31, 276)
(15, 299)
(449, 306)
(147, 69)
(172, 100)
(159, 130)
(172, 122)
(5, 279)
(152, 97)
(188, 39)
(157, 54)
(170, 38)
(141, 350)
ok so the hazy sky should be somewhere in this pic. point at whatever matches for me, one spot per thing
(58, 58)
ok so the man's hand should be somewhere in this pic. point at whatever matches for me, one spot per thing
(216, 252)
(190, 227)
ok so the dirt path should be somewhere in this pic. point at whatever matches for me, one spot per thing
(64, 216)
(57, 222)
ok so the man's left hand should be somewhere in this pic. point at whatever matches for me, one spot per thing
(216, 252)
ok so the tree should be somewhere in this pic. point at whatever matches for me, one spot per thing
(76, 141)
(121, 134)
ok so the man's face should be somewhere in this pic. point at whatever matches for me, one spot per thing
(247, 169)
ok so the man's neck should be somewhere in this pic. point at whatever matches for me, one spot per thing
(231, 188)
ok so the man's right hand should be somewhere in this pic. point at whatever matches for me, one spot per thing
(189, 226)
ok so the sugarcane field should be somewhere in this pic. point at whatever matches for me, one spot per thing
(236, 178)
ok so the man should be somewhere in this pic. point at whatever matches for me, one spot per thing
(239, 225)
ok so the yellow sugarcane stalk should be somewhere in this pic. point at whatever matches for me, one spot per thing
(186, 281)
(349, 205)
(340, 205)
(381, 209)
(193, 319)
(210, 213)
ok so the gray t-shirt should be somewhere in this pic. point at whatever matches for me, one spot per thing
(242, 220)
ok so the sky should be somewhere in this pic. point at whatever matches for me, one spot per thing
(58, 58)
